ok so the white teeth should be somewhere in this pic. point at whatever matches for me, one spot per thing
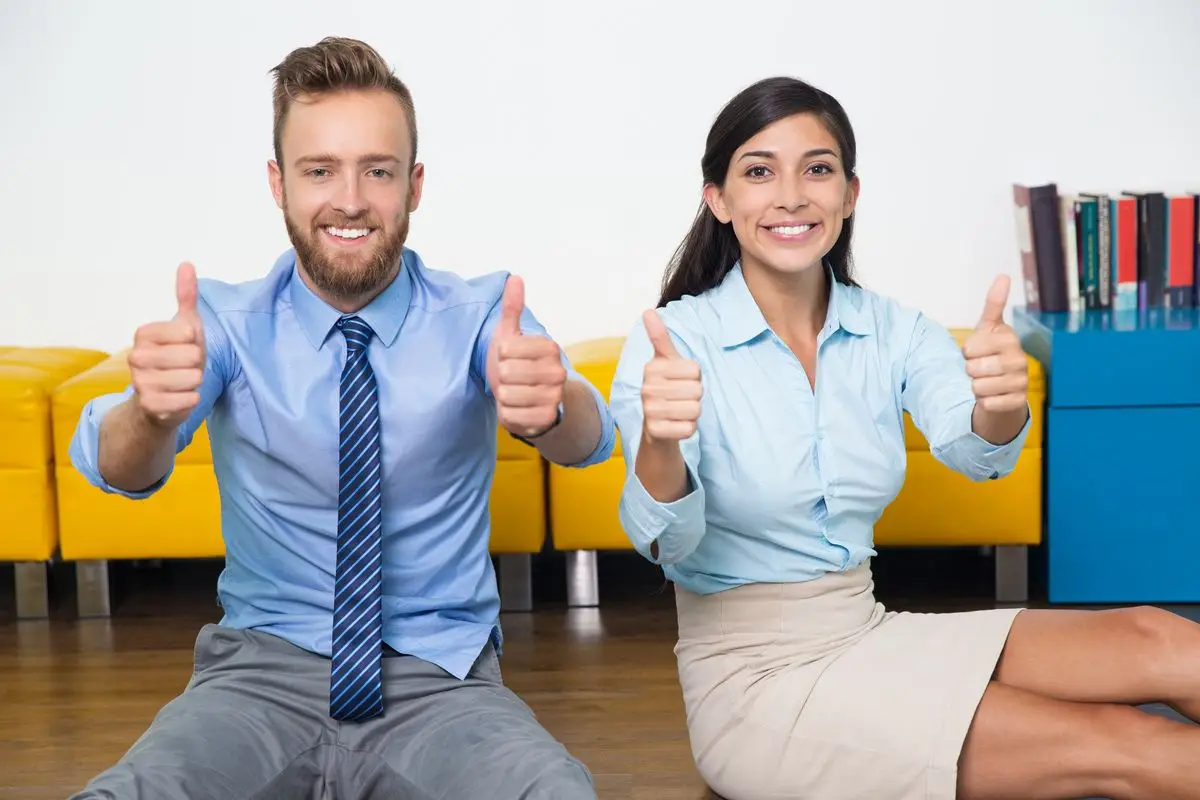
(348, 233)
(791, 230)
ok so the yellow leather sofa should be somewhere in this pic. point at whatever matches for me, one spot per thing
(27, 377)
(936, 506)
(183, 519)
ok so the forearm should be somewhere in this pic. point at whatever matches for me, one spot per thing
(660, 467)
(134, 453)
(578, 435)
(998, 428)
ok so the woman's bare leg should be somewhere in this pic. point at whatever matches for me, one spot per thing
(1128, 655)
(1025, 746)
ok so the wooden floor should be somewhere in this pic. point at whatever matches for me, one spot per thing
(76, 693)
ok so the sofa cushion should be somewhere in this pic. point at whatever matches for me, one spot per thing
(28, 376)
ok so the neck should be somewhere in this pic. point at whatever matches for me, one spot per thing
(792, 304)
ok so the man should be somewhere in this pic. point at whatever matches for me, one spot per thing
(352, 397)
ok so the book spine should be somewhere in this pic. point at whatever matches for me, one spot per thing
(1104, 276)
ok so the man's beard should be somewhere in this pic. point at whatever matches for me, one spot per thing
(348, 276)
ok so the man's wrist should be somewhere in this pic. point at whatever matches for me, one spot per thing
(558, 418)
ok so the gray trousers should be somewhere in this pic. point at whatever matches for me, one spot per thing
(253, 724)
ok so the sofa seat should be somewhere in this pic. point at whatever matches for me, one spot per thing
(518, 498)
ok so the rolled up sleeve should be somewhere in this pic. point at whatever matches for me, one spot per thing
(85, 446)
(608, 430)
(937, 394)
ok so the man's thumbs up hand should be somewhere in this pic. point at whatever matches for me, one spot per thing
(525, 372)
(996, 361)
(671, 387)
(168, 358)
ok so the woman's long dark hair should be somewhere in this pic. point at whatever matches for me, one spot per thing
(710, 248)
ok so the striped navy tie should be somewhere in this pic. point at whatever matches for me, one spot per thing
(355, 688)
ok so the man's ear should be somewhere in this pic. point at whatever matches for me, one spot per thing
(275, 179)
(416, 182)
(716, 202)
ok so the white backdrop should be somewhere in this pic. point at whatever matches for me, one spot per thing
(562, 139)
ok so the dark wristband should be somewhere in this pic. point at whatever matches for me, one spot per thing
(558, 418)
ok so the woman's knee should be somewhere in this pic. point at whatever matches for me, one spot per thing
(1164, 639)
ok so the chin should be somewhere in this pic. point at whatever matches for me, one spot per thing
(357, 260)
(789, 263)
(796, 267)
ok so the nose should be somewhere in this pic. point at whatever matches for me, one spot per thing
(792, 194)
(349, 198)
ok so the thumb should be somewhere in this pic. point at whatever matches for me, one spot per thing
(659, 337)
(997, 299)
(511, 306)
(186, 294)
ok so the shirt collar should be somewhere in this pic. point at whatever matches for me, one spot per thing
(385, 314)
(741, 320)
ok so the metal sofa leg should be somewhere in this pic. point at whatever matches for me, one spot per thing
(516, 582)
(33, 590)
(1012, 573)
(583, 578)
(91, 586)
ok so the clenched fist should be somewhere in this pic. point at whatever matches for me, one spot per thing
(996, 361)
(671, 387)
(525, 372)
(168, 358)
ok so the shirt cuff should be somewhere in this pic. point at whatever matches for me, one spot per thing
(981, 460)
(84, 449)
(676, 526)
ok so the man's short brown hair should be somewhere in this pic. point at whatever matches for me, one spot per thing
(335, 64)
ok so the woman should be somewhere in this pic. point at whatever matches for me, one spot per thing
(761, 412)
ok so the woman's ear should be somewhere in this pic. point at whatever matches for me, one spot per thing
(716, 202)
(851, 200)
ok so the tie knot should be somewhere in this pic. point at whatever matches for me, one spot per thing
(357, 332)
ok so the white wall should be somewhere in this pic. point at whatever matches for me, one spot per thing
(563, 140)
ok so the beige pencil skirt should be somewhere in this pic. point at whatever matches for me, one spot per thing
(814, 690)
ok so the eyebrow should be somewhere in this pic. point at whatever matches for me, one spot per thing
(328, 158)
(820, 151)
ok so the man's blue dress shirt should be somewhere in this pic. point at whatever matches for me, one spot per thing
(270, 397)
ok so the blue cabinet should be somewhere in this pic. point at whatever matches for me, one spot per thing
(1122, 437)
